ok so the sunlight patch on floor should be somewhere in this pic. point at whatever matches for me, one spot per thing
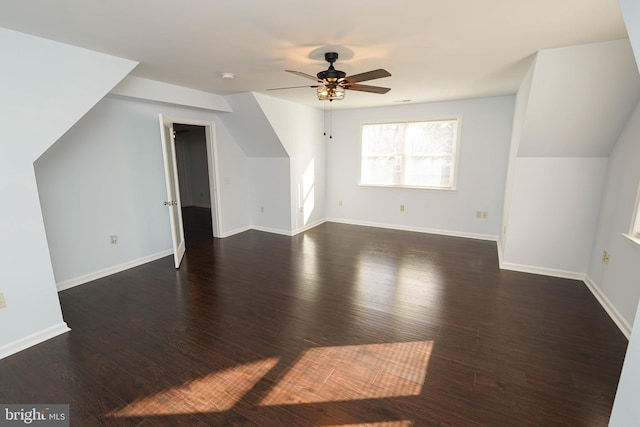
(373, 371)
(322, 374)
(216, 392)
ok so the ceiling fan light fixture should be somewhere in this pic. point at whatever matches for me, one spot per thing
(331, 83)
(330, 93)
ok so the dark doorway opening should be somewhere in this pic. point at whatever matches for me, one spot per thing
(193, 177)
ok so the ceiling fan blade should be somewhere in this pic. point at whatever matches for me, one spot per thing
(290, 87)
(305, 75)
(369, 75)
(367, 88)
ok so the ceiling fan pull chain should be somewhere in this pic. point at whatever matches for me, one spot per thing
(330, 119)
(324, 118)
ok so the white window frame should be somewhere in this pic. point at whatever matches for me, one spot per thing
(634, 230)
(454, 154)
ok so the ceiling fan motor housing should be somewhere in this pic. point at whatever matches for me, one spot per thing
(331, 74)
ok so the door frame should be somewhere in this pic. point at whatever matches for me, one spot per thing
(212, 165)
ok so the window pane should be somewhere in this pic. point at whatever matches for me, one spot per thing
(427, 171)
(430, 137)
(381, 171)
(382, 139)
(416, 154)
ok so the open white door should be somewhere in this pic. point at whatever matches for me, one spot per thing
(173, 192)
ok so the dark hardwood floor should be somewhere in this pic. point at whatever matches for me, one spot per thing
(340, 325)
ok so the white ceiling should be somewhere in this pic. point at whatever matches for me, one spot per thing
(435, 50)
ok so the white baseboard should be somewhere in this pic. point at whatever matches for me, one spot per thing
(499, 247)
(489, 237)
(451, 233)
(308, 226)
(33, 339)
(272, 230)
(611, 310)
(562, 274)
(615, 315)
(233, 232)
(111, 270)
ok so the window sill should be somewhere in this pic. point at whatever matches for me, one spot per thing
(634, 240)
(408, 187)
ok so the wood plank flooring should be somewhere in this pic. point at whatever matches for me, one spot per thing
(338, 326)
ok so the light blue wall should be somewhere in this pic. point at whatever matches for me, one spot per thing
(269, 194)
(483, 151)
(46, 87)
(624, 169)
(299, 129)
(571, 109)
(553, 214)
(105, 176)
(619, 280)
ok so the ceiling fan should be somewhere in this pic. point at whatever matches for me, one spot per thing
(332, 83)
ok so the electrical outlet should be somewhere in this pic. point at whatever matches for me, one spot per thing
(3, 302)
(301, 209)
(606, 257)
(113, 239)
(261, 209)
(478, 214)
(339, 202)
(401, 208)
(485, 214)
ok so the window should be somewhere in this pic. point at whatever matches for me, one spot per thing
(410, 154)
(635, 226)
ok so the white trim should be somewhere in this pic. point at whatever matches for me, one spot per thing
(634, 240)
(211, 137)
(272, 230)
(634, 229)
(111, 270)
(407, 187)
(490, 237)
(33, 339)
(212, 166)
(234, 232)
(455, 155)
(563, 274)
(500, 255)
(611, 310)
(309, 226)
(589, 283)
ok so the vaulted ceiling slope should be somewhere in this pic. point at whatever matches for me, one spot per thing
(435, 50)
(250, 127)
(578, 100)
